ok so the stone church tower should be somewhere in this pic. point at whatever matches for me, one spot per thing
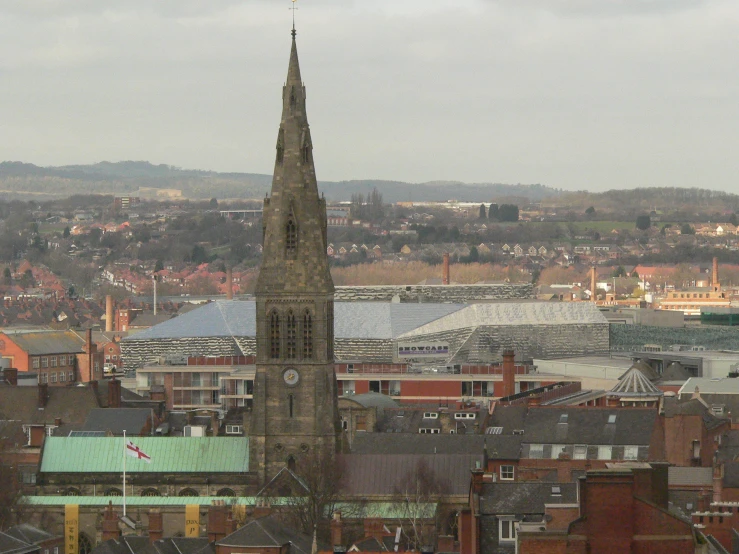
(295, 407)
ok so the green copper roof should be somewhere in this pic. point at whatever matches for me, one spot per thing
(168, 455)
(143, 500)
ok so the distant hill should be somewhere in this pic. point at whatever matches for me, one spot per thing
(25, 180)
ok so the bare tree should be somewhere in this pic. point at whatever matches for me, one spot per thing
(315, 496)
(420, 492)
(10, 488)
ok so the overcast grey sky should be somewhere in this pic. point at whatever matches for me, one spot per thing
(577, 94)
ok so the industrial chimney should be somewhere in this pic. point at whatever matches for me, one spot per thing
(229, 284)
(108, 314)
(592, 284)
(715, 281)
(445, 270)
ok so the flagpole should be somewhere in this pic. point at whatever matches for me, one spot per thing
(124, 473)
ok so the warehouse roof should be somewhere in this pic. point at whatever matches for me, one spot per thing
(47, 342)
(168, 455)
(515, 313)
(362, 320)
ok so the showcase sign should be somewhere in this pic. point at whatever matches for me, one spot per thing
(423, 350)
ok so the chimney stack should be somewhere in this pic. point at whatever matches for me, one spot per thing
(445, 270)
(110, 524)
(114, 393)
(43, 394)
(509, 373)
(90, 374)
(229, 284)
(108, 314)
(718, 482)
(715, 281)
(156, 525)
(217, 520)
(336, 530)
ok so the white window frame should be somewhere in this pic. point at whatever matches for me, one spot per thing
(36, 362)
(430, 415)
(557, 449)
(539, 449)
(53, 377)
(71, 376)
(507, 472)
(634, 450)
(53, 360)
(63, 360)
(44, 361)
(234, 429)
(602, 450)
(62, 377)
(580, 452)
(429, 431)
(506, 527)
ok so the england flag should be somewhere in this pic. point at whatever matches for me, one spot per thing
(135, 452)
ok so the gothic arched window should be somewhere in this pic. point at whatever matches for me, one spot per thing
(291, 404)
(291, 239)
(306, 154)
(113, 492)
(188, 492)
(307, 336)
(291, 341)
(274, 335)
(281, 146)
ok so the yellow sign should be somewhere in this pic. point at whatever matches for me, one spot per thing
(71, 528)
(192, 520)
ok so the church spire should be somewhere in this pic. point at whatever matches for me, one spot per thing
(294, 219)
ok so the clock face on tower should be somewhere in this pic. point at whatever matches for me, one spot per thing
(291, 376)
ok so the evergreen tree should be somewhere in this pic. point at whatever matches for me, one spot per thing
(483, 214)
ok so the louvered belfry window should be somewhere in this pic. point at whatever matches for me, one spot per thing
(292, 335)
(274, 335)
(307, 336)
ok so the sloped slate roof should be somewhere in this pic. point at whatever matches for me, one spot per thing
(589, 426)
(634, 383)
(379, 474)
(47, 342)
(515, 313)
(416, 443)
(116, 420)
(71, 404)
(168, 455)
(268, 532)
(689, 476)
(357, 320)
(524, 497)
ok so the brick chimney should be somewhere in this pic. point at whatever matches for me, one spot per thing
(718, 482)
(714, 280)
(88, 345)
(229, 284)
(108, 313)
(11, 376)
(114, 393)
(110, 524)
(43, 394)
(217, 520)
(509, 373)
(337, 530)
(156, 525)
(261, 508)
(445, 270)
(477, 476)
(374, 527)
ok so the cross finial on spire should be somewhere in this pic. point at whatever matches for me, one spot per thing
(294, 8)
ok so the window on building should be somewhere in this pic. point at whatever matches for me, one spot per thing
(307, 335)
(580, 452)
(44, 361)
(290, 400)
(53, 376)
(63, 360)
(234, 429)
(429, 431)
(274, 335)
(70, 376)
(612, 418)
(360, 423)
(374, 386)
(631, 452)
(557, 449)
(605, 452)
(53, 361)
(62, 377)
(35, 362)
(507, 530)
(291, 338)
(536, 451)
(431, 415)
(291, 239)
(44, 377)
(506, 473)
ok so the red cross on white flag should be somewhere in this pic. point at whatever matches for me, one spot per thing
(135, 452)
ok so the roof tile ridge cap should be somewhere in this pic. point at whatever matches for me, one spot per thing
(267, 532)
(225, 320)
